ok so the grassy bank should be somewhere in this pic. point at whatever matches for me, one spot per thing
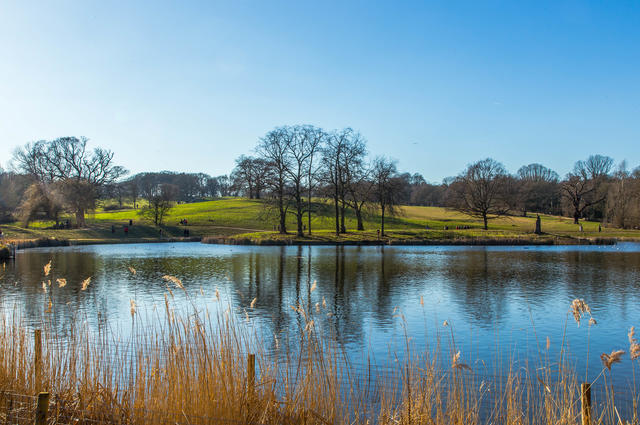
(237, 220)
(404, 237)
(193, 367)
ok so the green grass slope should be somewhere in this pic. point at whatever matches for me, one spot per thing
(251, 219)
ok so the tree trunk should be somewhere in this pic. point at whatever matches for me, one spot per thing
(309, 197)
(299, 217)
(309, 213)
(335, 201)
(486, 221)
(359, 218)
(80, 218)
(343, 228)
(382, 225)
(283, 216)
(576, 217)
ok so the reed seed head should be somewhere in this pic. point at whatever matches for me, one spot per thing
(61, 282)
(132, 270)
(609, 359)
(47, 268)
(634, 347)
(578, 309)
(253, 302)
(173, 280)
(457, 364)
(85, 283)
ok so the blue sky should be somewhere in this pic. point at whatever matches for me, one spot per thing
(189, 86)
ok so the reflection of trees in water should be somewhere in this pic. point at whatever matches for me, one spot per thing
(477, 285)
(358, 283)
(484, 283)
(348, 278)
(74, 268)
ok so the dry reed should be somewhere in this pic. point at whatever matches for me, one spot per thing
(191, 368)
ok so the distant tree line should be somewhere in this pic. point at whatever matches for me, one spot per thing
(293, 164)
(298, 170)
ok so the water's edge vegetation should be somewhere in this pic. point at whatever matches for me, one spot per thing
(192, 366)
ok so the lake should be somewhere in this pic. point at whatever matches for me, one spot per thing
(501, 304)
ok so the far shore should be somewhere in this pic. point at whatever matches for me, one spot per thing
(241, 221)
(293, 240)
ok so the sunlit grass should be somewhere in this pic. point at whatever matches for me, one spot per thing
(247, 217)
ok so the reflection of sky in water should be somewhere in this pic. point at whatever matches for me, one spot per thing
(490, 295)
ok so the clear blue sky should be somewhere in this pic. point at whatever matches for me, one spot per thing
(190, 86)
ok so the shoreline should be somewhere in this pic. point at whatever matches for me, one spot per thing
(58, 242)
(241, 241)
(557, 241)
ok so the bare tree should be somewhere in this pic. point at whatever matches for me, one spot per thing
(80, 173)
(40, 198)
(131, 186)
(480, 191)
(538, 188)
(598, 166)
(274, 147)
(386, 184)
(12, 189)
(314, 140)
(581, 190)
(621, 194)
(250, 175)
(161, 201)
(224, 185)
(356, 178)
(332, 163)
(342, 161)
(302, 146)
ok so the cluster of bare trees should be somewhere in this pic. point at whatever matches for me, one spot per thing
(592, 190)
(186, 187)
(65, 175)
(294, 164)
(302, 170)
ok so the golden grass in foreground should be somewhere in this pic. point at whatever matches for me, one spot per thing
(191, 368)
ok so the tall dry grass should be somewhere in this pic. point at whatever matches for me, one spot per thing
(190, 366)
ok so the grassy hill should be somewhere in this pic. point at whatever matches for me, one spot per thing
(246, 219)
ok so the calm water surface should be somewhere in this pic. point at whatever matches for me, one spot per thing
(501, 302)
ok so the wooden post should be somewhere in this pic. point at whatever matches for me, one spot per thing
(251, 375)
(42, 409)
(37, 359)
(10, 418)
(585, 398)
